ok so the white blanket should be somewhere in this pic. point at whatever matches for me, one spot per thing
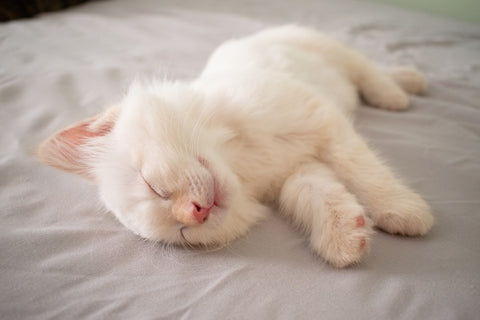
(63, 257)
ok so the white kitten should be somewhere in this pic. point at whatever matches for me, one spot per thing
(266, 123)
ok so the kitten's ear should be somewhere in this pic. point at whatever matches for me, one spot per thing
(71, 148)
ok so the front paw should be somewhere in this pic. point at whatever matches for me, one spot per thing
(344, 238)
(405, 213)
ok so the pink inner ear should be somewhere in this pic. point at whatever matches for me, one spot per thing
(78, 134)
(69, 149)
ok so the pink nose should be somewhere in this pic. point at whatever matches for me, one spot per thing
(200, 214)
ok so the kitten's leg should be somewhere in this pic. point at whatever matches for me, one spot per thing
(338, 227)
(379, 88)
(392, 206)
(375, 85)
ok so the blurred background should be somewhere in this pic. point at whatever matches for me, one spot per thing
(466, 10)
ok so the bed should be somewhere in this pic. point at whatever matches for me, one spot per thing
(62, 256)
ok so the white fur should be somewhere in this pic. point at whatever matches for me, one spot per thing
(266, 123)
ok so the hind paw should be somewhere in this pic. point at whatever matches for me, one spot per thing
(382, 92)
(410, 79)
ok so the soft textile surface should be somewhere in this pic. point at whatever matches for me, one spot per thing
(63, 257)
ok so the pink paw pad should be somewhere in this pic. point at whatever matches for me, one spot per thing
(360, 221)
(363, 242)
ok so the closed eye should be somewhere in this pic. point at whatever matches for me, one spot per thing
(161, 193)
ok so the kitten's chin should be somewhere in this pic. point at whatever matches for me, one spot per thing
(196, 245)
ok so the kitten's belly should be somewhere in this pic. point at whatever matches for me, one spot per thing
(280, 128)
(263, 172)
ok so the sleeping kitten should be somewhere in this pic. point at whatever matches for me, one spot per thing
(266, 123)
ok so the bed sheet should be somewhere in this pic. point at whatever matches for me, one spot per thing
(63, 257)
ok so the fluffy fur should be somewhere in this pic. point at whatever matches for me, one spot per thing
(266, 123)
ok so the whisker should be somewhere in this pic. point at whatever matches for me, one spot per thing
(191, 246)
(212, 247)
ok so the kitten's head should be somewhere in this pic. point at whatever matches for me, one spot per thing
(156, 163)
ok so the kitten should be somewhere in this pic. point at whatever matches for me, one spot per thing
(267, 122)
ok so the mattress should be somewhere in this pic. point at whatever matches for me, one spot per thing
(62, 256)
